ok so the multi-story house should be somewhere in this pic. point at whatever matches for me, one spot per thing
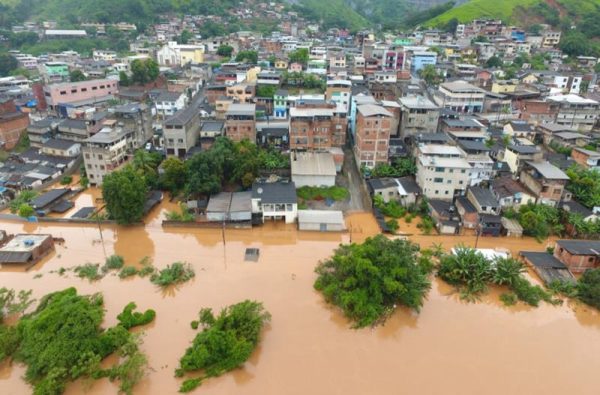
(92, 91)
(418, 115)
(516, 156)
(280, 104)
(576, 112)
(240, 122)
(551, 39)
(586, 158)
(339, 91)
(478, 156)
(105, 152)
(168, 103)
(136, 117)
(13, 123)
(317, 126)
(442, 171)
(546, 181)
(275, 201)
(373, 129)
(460, 96)
(181, 131)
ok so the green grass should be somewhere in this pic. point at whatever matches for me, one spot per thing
(499, 9)
(322, 193)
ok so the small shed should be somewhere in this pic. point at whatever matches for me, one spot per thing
(84, 212)
(241, 206)
(230, 207)
(547, 267)
(26, 249)
(218, 207)
(46, 200)
(321, 220)
(511, 227)
(313, 169)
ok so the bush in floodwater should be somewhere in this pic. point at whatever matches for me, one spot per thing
(566, 288)
(468, 270)
(127, 271)
(113, 262)
(367, 281)
(225, 342)
(89, 270)
(509, 299)
(471, 273)
(392, 225)
(129, 318)
(588, 288)
(190, 384)
(175, 273)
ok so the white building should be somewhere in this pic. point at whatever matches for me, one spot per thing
(442, 171)
(313, 169)
(275, 201)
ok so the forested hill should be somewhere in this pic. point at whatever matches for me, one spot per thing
(133, 11)
(526, 12)
(352, 14)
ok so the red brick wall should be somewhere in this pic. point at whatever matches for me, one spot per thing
(576, 263)
(11, 129)
(238, 130)
(372, 140)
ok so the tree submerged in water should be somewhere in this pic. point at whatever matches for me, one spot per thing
(62, 341)
(367, 281)
(225, 342)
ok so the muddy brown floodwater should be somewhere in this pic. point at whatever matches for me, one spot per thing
(451, 347)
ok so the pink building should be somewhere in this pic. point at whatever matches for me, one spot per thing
(295, 68)
(80, 93)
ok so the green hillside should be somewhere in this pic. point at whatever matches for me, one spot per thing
(499, 9)
(332, 13)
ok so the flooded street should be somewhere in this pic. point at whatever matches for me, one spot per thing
(451, 347)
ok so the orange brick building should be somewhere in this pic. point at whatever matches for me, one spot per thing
(12, 124)
(240, 122)
(317, 126)
(373, 128)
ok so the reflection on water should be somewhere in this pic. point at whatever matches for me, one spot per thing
(451, 347)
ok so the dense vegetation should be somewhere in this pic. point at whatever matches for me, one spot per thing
(62, 341)
(585, 185)
(333, 13)
(472, 273)
(176, 273)
(474, 9)
(367, 281)
(227, 162)
(322, 193)
(399, 168)
(225, 342)
(140, 12)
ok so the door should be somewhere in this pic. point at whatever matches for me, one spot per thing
(323, 227)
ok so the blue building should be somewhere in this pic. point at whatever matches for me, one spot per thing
(421, 59)
(280, 106)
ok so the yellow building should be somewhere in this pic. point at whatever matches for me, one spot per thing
(252, 74)
(504, 87)
(191, 54)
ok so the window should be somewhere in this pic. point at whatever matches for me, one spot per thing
(87, 156)
(94, 88)
(99, 156)
(84, 89)
(180, 140)
(438, 180)
(439, 169)
(63, 92)
(73, 90)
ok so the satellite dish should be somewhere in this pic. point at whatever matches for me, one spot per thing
(260, 191)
